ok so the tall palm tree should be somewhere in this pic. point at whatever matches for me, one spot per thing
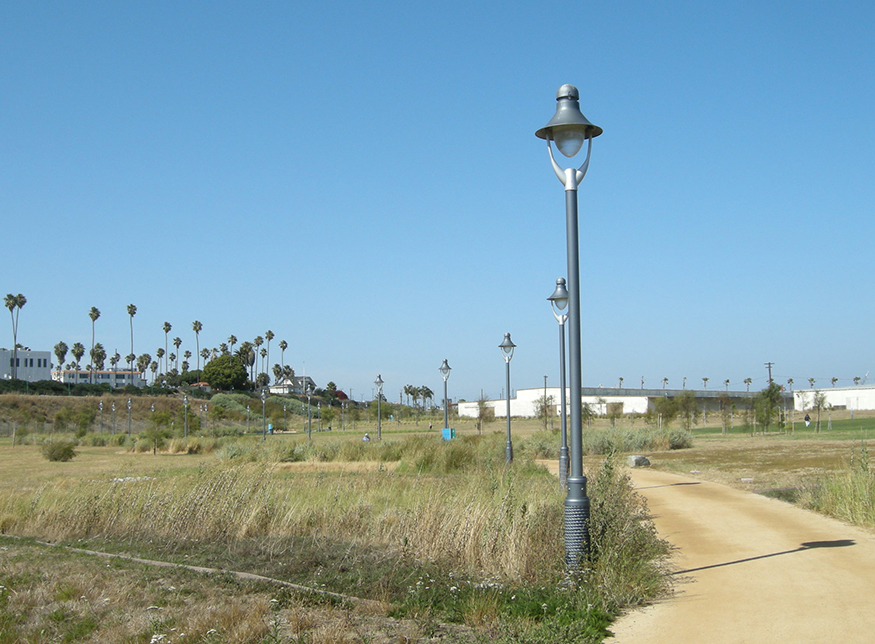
(160, 353)
(132, 311)
(98, 356)
(197, 327)
(664, 382)
(283, 346)
(177, 341)
(94, 313)
(78, 351)
(268, 335)
(15, 303)
(167, 328)
(263, 354)
(61, 354)
(232, 340)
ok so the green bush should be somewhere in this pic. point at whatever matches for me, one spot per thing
(58, 450)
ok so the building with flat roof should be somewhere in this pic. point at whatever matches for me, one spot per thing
(114, 379)
(30, 365)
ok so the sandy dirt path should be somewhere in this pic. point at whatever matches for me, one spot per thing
(753, 570)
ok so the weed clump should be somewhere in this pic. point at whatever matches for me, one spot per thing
(60, 451)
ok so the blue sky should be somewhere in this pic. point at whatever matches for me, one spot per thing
(364, 180)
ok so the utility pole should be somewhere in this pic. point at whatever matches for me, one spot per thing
(769, 367)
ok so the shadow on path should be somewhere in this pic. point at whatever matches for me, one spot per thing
(653, 487)
(808, 545)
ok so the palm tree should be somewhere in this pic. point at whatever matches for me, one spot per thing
(834, 380)
(811, 382)
(197, 327)
(747, 381)
(172, 357)
(726, 383)
(176, 343)
(94, 313)
(98, 356)
(263, 354)
(131, 359)
(113, 361)
(132, 311)
(268, 335)
(283, 346)
(61, 354)
(232, 340)
(277, 373)
(258, 341)
(705, 383)
(154, 368)
(167, 328)
(78, 351)
(159, 353)
(664, 382)
(15, 303)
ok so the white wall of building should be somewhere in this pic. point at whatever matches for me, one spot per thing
(32, 365)
(852, 398)
(114, 379)
(525, 403)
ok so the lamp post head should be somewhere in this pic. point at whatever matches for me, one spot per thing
(559, 299)
(379, 383)
(263, 395)
(507, 346)
(445, 369)
(569, 128)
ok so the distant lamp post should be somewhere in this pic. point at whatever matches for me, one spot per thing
(130, 405)
(570, 129)
(379, 384)
(113, 417)
(309, 417)
(559, 302)
(185, 416)
(263, 421)
(507, 347)
(445, 374)
(100, 406)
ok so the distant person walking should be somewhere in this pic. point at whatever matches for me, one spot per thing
(807, 420)
(366, 438)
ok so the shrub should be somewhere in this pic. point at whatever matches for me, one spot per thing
(58, 450)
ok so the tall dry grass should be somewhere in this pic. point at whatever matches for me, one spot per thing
(848, 494)
(492, 520)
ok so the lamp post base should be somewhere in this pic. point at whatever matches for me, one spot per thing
(576, 523)
(508, 453)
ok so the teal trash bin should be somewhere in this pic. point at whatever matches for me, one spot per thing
(449, 432)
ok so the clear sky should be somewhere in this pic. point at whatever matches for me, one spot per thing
(363, 179)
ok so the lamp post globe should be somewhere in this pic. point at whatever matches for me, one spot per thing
(570, 129)
(445, 374)
(379, 384)
(263, 425)
(559, 302)
(507, 346)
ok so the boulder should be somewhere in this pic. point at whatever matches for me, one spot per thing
(637, 461)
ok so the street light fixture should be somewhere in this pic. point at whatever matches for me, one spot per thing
(445, 374)
(309, 417)
(507, 347)
(130, 404)
(100, 406)
(185, 416)
(569, 128)
(379, 384)
(559, 302)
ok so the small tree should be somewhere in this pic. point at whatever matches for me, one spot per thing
(59, 451)
(225, 372)
(767, 405)
(543, 408)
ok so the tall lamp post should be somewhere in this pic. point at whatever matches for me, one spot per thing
(130, 405)
(185, 416)
(100, 406)
(559, 302)
(507, 347)
(263, 425)
(445, 374)
(309, 416)
(569, 128)
(379, 384)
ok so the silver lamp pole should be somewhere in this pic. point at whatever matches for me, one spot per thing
(445, 374)
(263, 425)
(569, 128)
(379, 384)
(507, 346)
(559, 302)
(185, 407)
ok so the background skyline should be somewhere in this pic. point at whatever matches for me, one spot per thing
(364, 180)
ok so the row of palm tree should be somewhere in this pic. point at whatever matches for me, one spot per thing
(418, 393)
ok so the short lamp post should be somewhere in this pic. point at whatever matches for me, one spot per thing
(507, 347)
(559, 302)
(570, 129)
(100, 406)
(445, 374)
(379, 385)
(113, 416)
(185, 416)
(263, 421)
(130, 405)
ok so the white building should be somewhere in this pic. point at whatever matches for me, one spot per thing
(850, 398)
(31, 365)
(607, 400)
(114, 379)
(292, 385)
